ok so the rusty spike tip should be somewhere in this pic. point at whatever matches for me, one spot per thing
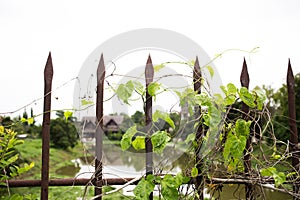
(49, 66)
(197, 61)
(244, 64)
(196, 64)
(101, 62)
(49, 57)
(290, 67)
(244, 78)
(149, 60)
(197, 72)
(290, 74)
(100, 69)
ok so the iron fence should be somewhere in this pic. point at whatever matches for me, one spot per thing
(99, 181)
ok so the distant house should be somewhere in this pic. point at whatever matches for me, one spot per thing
(111, 124)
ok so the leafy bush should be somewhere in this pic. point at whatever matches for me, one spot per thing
(63, 134)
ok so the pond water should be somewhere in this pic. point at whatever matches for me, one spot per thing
(117, 163)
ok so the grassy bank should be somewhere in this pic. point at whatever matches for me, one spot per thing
(31, 151)
(61, 166)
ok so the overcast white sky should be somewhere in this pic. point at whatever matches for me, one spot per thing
(71, 30)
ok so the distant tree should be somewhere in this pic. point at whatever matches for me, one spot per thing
(278, 104)
(138, 118)
(6, 121)
(25, 123)
(63, 134)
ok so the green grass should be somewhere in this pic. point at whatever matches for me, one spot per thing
(31, 151)
(61, 193)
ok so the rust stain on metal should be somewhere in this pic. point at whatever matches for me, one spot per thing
(149, 75)
(48, 76)
(99, 128)
(68, 182)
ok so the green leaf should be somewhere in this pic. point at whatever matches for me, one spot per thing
(247, 97)
(158, 67)
(203, 99)
(1, 129)
(150, 177)
(190, 138)
(194, 172)
(2, 184)
(224, 89)
(291, 174)
(242, 127)
(153, 88)
(211, 70)
(159, 141)
(180, 179)
(30, 120)
(231, 89)
(228, 144)
(68, 114)
(143, 189)
(279, 178)
(169, 187)
(13, 172)
(275, 156)
(233, 150)
(127, 138)
(268, 171)
(164, 116)
(229, 100)
(139, 143)
(13, 159)
(28, 167)
(139, 88)
(260, 97)
(86, 102)
(124, 91)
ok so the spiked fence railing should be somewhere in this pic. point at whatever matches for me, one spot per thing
(99, 181)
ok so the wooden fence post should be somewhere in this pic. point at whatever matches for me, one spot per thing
(149, 74)
(249, 189)
(292, 123)
(99, 128)
(48, 76)
(197, 76)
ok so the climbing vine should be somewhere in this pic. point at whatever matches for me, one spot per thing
(223, 145)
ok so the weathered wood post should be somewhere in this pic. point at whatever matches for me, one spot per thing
(292, 123)
(48, 76)
(249, 189)
(149, 74)
(99, 128)
(197, 76)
